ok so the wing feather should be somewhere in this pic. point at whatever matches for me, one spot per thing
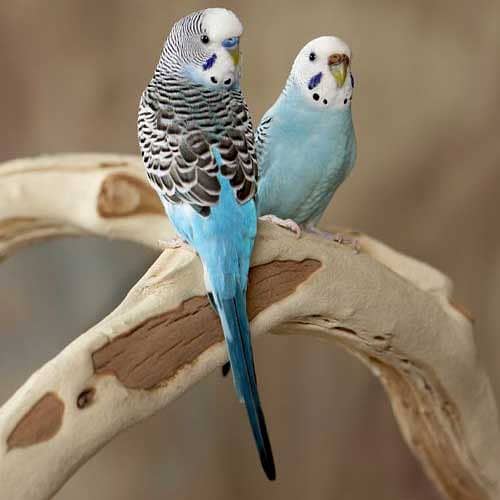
(176, 135)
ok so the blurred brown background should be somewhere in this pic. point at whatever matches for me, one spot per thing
(427, 182)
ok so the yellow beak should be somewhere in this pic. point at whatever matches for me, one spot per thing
(339, 64)
(235, 55)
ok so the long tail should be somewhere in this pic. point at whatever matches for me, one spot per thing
(237, 332)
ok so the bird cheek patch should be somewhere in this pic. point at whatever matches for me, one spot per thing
(315, 81)
(209, 62)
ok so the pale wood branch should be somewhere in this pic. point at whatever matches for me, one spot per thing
(80, 194)
(394, 313)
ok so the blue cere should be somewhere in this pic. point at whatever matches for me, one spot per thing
(209, 62)
(230, 43)
(315, 80)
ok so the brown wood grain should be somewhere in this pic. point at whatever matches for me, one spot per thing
(156, 349)
(123, 194)
(39, 424)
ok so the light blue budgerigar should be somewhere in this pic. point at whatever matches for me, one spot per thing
(197, 143)
(305, 143)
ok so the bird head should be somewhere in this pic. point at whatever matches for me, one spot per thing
(322, 71)
(205, 48)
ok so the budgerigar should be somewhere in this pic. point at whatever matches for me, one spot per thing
(305, 142)
(197, 144)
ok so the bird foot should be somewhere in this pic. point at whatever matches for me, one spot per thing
(173, 244)
(337, 237)
(289, 224)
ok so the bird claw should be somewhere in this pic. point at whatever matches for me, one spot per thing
(289, 224)
(338, 238)
(173, 244)
(343, 240)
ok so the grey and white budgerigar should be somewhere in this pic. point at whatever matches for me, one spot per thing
(306, 146)
(197, 144)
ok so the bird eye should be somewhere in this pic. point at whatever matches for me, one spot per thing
(312, 56)
(205, 39)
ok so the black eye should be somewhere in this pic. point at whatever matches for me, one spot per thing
(204, 39)
(312, 56)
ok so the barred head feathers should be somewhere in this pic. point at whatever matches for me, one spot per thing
(204, 48)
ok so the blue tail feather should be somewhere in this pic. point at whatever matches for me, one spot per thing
(224, 242)
(237, 332)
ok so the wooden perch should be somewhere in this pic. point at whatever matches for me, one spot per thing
(392, 312)
(78, 195)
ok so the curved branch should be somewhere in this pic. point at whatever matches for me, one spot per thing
(392, 312)
(81, 194)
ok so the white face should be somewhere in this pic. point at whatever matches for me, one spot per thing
(220, 45)
(322, 71)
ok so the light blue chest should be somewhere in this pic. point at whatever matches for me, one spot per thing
(308, 155)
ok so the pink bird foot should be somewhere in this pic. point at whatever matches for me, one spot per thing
(289, 224)
(174, 243)
(337, 237)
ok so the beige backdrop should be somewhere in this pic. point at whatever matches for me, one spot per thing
(427, 181)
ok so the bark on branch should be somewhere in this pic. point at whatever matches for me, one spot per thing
(392, 312)
(78, 195)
